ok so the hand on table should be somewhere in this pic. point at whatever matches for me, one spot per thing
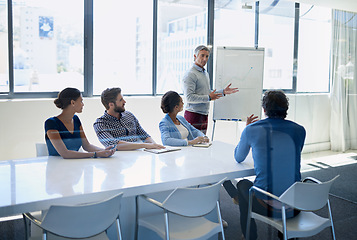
(153, 146)
(200, 139)
(109, 151)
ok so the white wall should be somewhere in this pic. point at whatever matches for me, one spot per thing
(312, 112)
(22, 122)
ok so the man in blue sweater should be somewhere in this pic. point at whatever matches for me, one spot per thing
(276, 148)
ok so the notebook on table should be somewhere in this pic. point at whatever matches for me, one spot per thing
(163, 150)
(206, 145)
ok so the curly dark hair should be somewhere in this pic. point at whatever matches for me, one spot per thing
(169, 100)
(65, 97)
(275, 104)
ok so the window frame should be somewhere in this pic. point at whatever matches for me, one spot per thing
(88, 51)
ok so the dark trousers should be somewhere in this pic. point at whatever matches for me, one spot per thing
(259, 207)
(197, 120)
(230, 188)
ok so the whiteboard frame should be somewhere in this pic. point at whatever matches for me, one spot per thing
(260, 87)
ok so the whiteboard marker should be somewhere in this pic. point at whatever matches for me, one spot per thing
(232, 119)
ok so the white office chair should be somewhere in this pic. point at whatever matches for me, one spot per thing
(88, 221)
(183, 215)
(41, 150)
(304, 196)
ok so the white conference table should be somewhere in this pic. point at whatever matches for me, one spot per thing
(34, 184)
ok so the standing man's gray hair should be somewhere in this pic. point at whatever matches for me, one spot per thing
(201, 47)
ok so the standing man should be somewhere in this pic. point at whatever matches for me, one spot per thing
(276, 148)
(197, 90)
(119, 127)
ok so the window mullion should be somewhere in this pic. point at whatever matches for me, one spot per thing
(10, 49)
(88, 48)
(154, 47)
(296, 44)
(210, 37)
(256, 35)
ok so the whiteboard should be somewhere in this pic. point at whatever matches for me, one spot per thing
(244, 68)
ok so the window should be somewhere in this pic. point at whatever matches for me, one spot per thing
(181, 27)
(276, 35)
(47, 45)
(122, 50)
(4, 56)
(5, 177)
(314, 49)
(49, 49)
(242, 20)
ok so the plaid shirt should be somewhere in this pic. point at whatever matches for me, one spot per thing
(110, 130)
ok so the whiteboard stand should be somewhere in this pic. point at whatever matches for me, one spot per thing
(244, 69)
(233, 120)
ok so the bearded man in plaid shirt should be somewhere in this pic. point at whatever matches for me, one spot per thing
(119, 127)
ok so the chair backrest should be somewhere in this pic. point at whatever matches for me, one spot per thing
(307, 196)
(193, 202)
(41, 149)
(82, 221)
(283, 156)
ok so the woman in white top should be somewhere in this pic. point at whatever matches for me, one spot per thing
(175, 130)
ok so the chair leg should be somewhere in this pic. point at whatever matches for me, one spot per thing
(333, 233)
(136, 217)
(27, 227)
(167, 233)
(284, 222)
(118, 229)
(220, 220)
(330, 216)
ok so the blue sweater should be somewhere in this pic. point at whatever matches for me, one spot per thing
(276, 148)
(171, 136)
(196, 90)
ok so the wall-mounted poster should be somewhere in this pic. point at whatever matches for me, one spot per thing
(46, 27)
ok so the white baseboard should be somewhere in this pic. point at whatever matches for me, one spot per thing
(316, 147)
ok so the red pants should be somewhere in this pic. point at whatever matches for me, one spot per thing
(197, 120)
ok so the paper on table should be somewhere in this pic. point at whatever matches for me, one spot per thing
(163, 150)
(202, 144)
